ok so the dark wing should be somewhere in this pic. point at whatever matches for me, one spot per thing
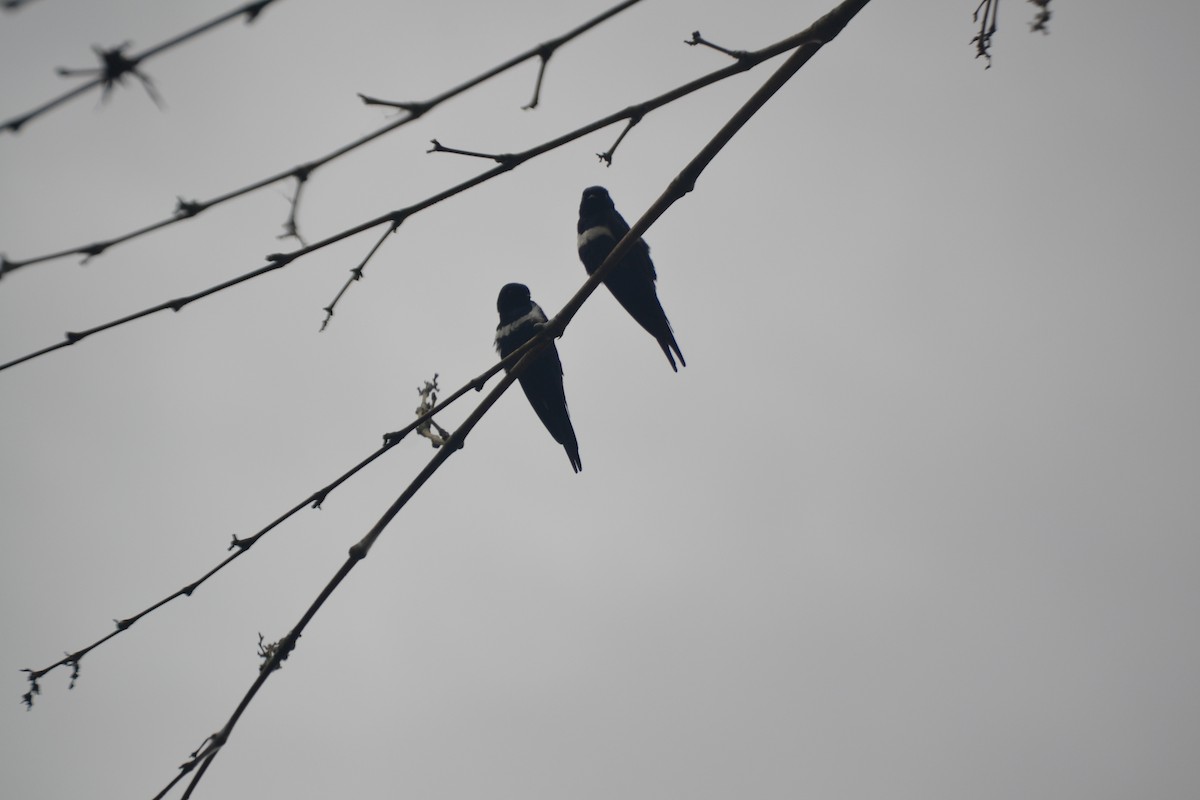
(542, 382)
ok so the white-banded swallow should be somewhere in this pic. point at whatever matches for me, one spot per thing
(632, 281)
(542, 380)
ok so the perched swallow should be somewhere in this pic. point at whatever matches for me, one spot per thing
(542, 381)
(632, 281)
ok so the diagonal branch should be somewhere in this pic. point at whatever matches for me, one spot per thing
(203, 758)
(508, 162)
(413, 111)
(821, 32)
(243, 545)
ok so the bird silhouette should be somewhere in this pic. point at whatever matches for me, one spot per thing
(600, 227)
(542, 380)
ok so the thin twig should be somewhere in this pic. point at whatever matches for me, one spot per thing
(290, 231)
(356, 274)
(499, 158)
(607, 155)
(821, 32)
(543, 58)
(698, 39)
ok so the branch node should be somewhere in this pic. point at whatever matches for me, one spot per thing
(188, 208)
(114, 66)
(254, 10)
(91, 251)
(15, 125)
(415, 109)
(124, 624)
(187, 767)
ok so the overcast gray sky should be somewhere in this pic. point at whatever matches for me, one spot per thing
(918, 520)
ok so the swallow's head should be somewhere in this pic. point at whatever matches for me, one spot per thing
(514, 297)
(595, 202)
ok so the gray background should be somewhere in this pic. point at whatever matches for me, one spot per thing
(917, 521)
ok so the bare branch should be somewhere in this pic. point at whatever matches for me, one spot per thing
(508, 162)
(414, 110)
(821, 32)
(425, 416)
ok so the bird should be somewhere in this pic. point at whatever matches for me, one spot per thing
(542, 380)
(631, 282)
